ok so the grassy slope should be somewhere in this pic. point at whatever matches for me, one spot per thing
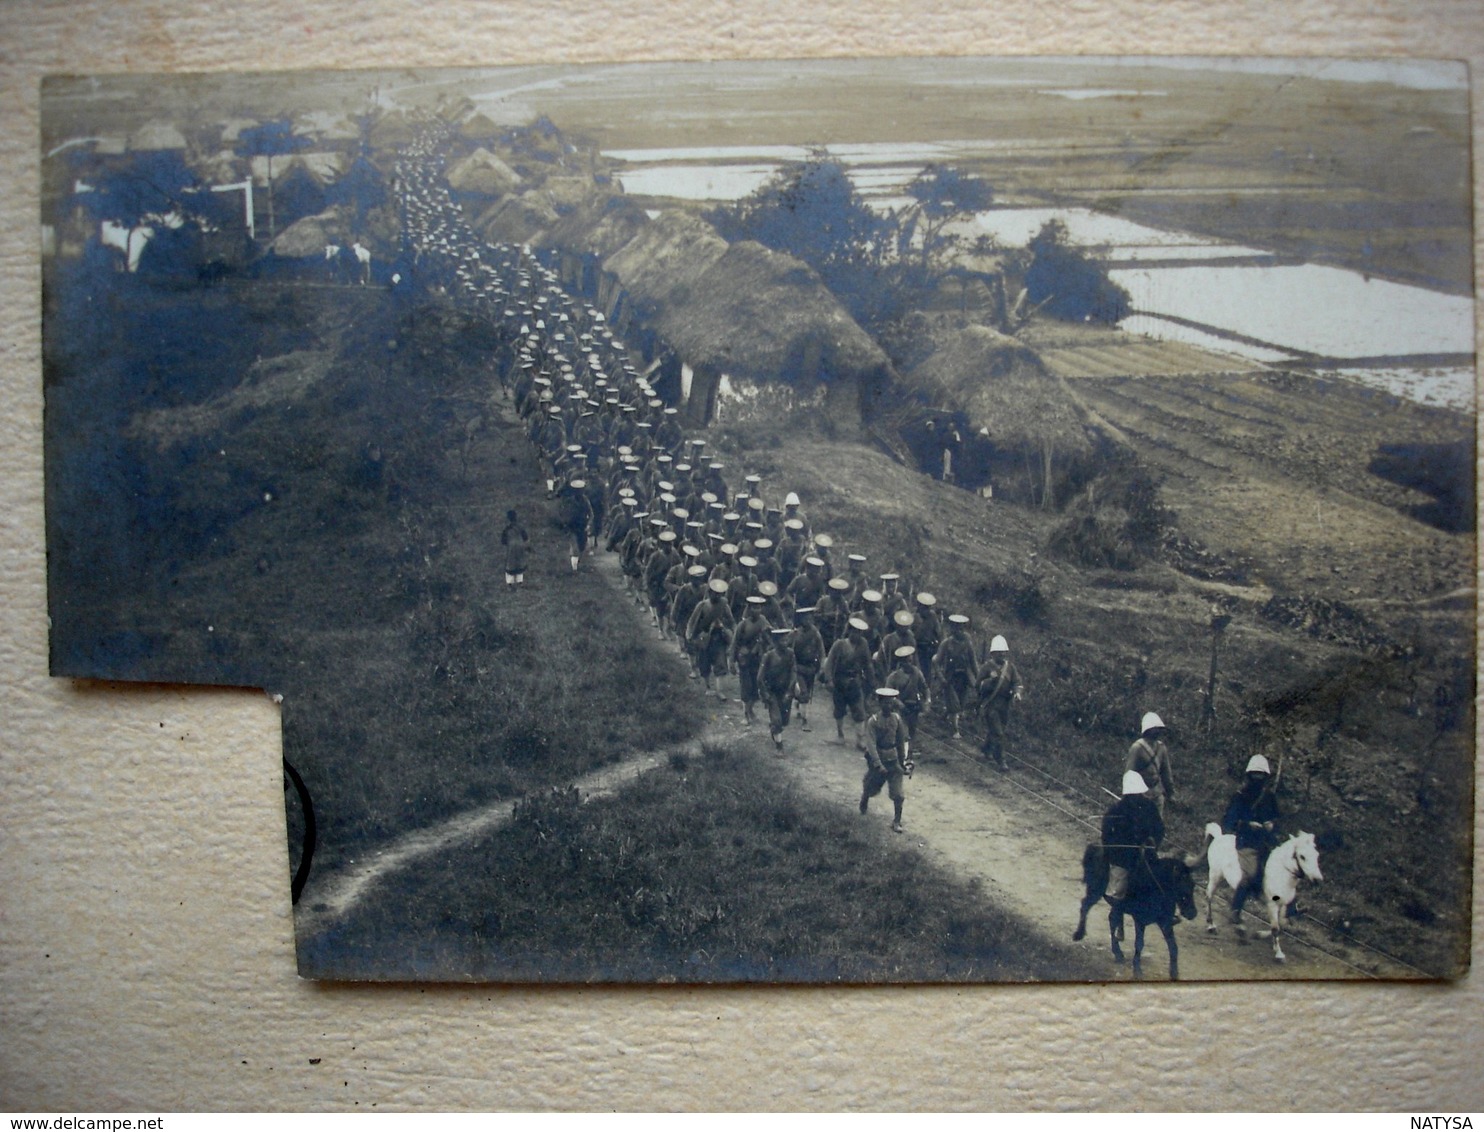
(368, 590)
(341, 545)
(708, 869)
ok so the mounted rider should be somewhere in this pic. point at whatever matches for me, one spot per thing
(1252, 815)
(1132, 832)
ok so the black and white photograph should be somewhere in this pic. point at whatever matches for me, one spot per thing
(937, 520)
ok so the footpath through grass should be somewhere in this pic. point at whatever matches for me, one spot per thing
(712, 868)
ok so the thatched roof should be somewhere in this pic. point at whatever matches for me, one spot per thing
(665, 259)
(392, 129)
(483, 172)
(741, 309)
(1002, 386)
(479, 127)
(309, 236)
(601, 227)
(515, 219)
(568, 193)
(157, 135)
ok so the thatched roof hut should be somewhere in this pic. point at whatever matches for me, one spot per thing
(760, 314)
(1005, 394)
(665, 259)
(744, 311)
(515, 219)
(309, 236)
(483, 172)
(157, 135)
(599, 228)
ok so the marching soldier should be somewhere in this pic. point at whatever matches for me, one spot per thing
(1151, 758)
(709, 633)
(845, 671)
(885, 749)
(913, 696)
(999, 685)
(776, 681)
(576, 516)
(929, 633)
(809, 653)
(748, 643)
(955, 668)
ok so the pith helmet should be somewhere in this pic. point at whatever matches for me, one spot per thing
(1257, 764)
(999, 644)
(1150, 722)
(1133, 783)
(791, 499)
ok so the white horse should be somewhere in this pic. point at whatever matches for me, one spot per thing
(1298, 856)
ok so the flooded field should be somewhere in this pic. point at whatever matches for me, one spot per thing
(1412, 341)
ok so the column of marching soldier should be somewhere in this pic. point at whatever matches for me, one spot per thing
(740, 582)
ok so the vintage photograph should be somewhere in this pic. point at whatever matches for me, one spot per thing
(849, 521)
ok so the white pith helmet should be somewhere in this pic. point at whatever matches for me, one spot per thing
(1258, 764)
(999, 644)
(791, 499)
(1150, 722)
(1133, 783)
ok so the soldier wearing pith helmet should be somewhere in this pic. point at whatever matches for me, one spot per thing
(1151, 758)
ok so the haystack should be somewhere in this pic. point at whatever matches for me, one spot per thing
(485, 173)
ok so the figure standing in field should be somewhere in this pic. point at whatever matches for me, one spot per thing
(517, 543)
(1151, 758)
(886, 756)
(775, 680)
(1132, 831)
(956, 668)
(576, 517)
(999, 686)
(1252, 815)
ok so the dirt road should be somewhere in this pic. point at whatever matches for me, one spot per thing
(1025, 854)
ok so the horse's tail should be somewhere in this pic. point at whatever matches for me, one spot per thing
(1094, 866)
(1213, 831)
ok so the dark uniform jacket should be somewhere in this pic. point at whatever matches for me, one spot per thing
(1131, 823)
(1249, 806)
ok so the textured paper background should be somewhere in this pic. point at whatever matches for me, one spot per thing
(146, 951)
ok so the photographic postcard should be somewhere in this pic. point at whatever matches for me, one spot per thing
(921, 520)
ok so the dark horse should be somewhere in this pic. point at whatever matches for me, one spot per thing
(1159, 893)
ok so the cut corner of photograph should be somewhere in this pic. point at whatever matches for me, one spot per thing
(890, 521)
